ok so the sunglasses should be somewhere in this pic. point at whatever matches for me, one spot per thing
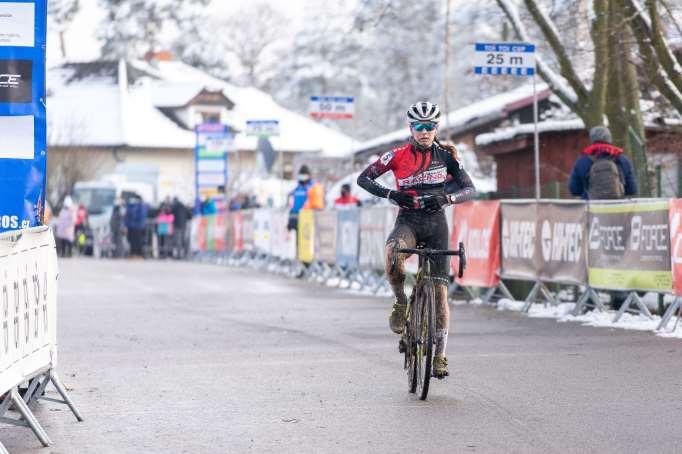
(419, 127)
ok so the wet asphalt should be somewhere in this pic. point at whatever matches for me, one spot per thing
(179, 357)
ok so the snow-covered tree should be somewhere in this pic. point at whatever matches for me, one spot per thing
(132, 28)
(247, 39)
(61, 13)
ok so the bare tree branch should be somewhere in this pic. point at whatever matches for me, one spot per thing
(552, 36)
(642, 29)
(555, 82)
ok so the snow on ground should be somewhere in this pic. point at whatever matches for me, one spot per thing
(599, 319)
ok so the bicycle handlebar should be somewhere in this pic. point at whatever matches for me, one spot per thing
(433, 252)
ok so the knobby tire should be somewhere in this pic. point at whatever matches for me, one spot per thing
(426, 330)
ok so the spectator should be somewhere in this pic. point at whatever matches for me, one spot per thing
(181, 216)
(603, 171)
(208, 207)
(66, 228)
(81, 227)
(347, 200)
(164, 229)
(307, 194)
(117, 229)
(235, 203)
(135, 222)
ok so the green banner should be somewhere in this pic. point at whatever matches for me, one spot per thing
(629, 245)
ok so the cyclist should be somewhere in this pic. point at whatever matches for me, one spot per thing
(429, 176)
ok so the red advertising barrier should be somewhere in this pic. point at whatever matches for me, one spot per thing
(219, 231)
(237, 232)
(201, 234)
(476, 224)
(676, 244)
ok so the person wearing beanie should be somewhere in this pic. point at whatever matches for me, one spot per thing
(307, 194)
(602, 171)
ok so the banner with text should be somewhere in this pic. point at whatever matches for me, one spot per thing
(247, 229)
(544, 241)
(519, 225)
(561, 242)
(375, 225)
(306, 236)
(676, 243)
(348, 231)
(28, 292)
(629, 245)
(23, 124)
(325, 236)
(476, 224)
(262, 230)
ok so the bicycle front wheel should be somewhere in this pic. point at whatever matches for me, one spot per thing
(411, 363)
(426, 333)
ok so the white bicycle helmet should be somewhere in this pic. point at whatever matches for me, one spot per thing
(424, 111)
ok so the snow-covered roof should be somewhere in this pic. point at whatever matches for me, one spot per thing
(493, 107)
(508, 133)
(90, 105)
(297, 132)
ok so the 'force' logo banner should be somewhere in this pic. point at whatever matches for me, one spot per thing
(629, 245)
(16, 78)
(476, 224)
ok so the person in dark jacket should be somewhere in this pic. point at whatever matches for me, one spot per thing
(579, 184)
(117, 230)
(135, 222)
(181, 216)
(601, 148)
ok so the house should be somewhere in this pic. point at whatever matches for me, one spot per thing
(139, 117)
(561, 142)
(496, 139)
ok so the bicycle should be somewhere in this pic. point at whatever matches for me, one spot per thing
(418, 335)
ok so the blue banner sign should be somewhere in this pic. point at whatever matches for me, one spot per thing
(23, 148)
(213, 141)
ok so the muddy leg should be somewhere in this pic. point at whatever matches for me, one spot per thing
(442, 318)
(401, 237)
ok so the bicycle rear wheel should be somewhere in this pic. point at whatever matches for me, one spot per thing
(426, 331)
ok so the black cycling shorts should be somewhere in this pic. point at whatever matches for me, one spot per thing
(417, 227)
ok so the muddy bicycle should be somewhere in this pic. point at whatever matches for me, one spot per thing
(417, 340)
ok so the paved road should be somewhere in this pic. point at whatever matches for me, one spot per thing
(167, 357)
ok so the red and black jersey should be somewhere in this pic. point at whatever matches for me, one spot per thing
(431, 171)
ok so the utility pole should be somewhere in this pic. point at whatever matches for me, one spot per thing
(446, 63)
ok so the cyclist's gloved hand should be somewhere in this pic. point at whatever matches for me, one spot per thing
(402, 199)
(432, 203)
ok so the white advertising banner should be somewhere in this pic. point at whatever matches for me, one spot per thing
(262, 227)
(17, 24)
(28, 305)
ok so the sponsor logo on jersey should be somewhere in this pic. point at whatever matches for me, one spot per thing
(432, 176)
(16, 80)
(386, 158)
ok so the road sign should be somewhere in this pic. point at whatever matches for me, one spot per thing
(517, 59)
(501, 59)
(262, 128)
(334, 107)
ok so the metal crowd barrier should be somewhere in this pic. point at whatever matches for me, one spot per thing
(601, 246)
